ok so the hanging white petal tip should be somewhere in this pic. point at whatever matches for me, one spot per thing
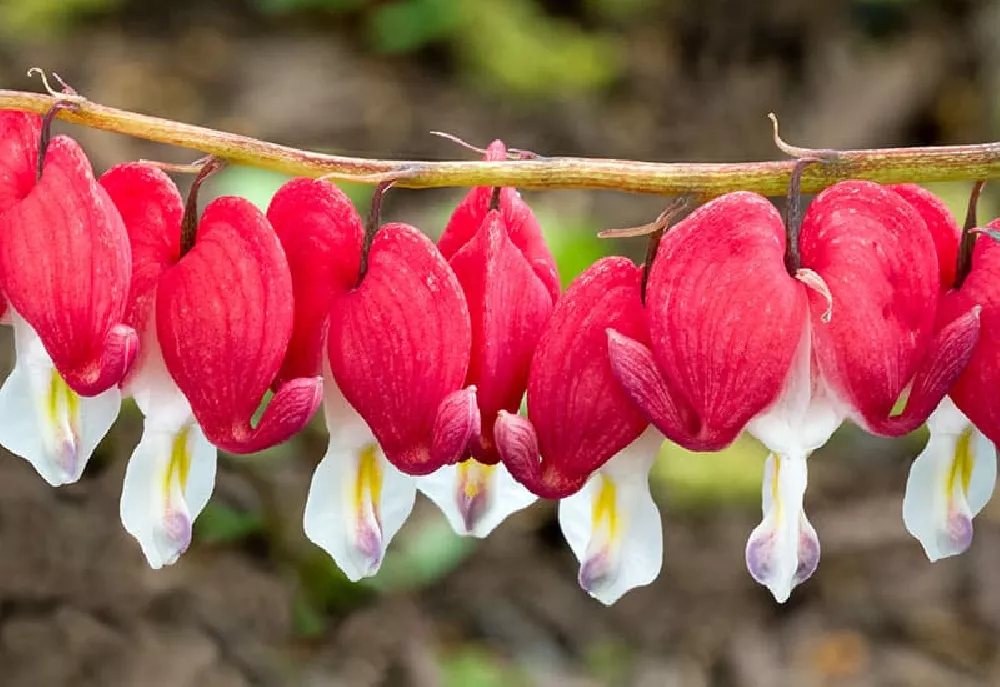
(64, 464)
(170, 539)
(949, 483)
(44, 420)
(475, 497)
(472, 509)
(168, 481)
(783, 550)
(770, 561)
(613, 525)
(357, 502)
(597, 574)
(369, 551)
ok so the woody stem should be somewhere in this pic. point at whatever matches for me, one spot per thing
(888, 165)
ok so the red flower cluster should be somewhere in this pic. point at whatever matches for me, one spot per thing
(421, 355)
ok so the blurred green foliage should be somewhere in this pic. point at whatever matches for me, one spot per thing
(47, 18)
(428, 551)
(514, 47)
(705, 480)
(474, 666)
(220, 524)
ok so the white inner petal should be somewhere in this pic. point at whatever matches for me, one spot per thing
(613, 526)
(171, 474)
(806, 413)
(783, 550)
(475, 498)
(44, 421)
(949, 483)
(357, 500)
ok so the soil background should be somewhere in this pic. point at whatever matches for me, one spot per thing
(253, 603)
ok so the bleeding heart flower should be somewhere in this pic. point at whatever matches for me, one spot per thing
(739, 342)
(511, 284)
(224, 316)
(65, 269)
(357, 500)
(953, 478)
(584, 441)
(399, 351)
(360, 496)
(171, 473)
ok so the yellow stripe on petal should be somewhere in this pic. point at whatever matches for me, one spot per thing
(962, 463)
(62, 423)
(473, 496)
(612, 524)
(179, 465)
(64, 403)
(368, 482)
(474, 477)
(605, 510)
(775, 490)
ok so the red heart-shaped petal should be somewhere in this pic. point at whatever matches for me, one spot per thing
(579, 415)
(399, 346)
(224, 319)
(725, 319)
(321, 234)
(975, 391)
(879, 261)
(151, 209)
(509, 306)
(943, 228)
(522, 226)
(65, 266)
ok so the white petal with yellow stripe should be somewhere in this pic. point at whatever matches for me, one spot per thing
(613, 526)
(358, 500)
(784, 550)
(171, 474)
(43, 420)
(475, 497)
(949, 483)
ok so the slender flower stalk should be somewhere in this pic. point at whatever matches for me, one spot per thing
(886, 165)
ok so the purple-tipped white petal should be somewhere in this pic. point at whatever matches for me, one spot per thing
(783, 550)
(949, 483)
(613, 525)
(168, 481)
(43, 420)
(171, 474)
(358, 500)
(474, 497)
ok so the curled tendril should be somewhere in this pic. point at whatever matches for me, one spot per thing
(797, 151)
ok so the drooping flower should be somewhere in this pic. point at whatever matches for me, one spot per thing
(357, 500)
(511, 284)
(584, 442)
(739, 341)
(406, 330)
(399, 351)
(65, 270)
(224, 316)
(171, 473)
(954, 476)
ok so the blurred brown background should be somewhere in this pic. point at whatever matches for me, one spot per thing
(253, 603)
